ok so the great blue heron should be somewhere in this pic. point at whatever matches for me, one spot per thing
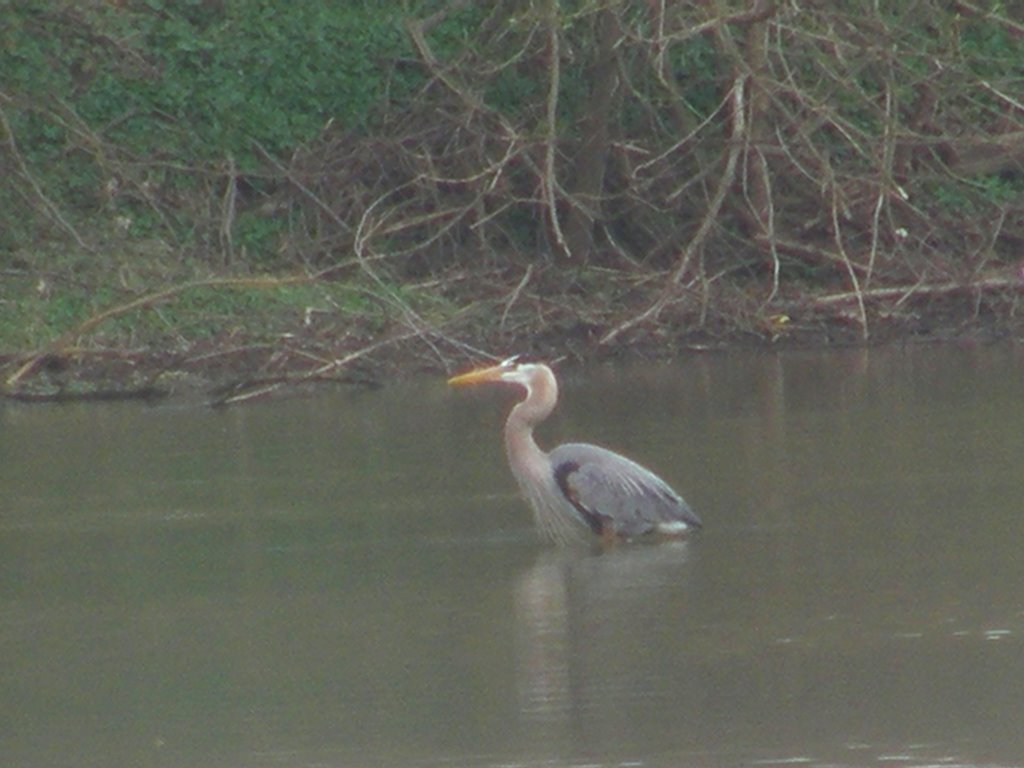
(577, 483)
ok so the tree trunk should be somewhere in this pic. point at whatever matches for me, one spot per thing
(587, 180)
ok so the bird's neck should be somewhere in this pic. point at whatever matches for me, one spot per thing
(528, 461)
(523, 452)
(519, 434)
(525, 457)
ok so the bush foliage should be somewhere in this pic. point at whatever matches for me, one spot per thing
(853, 143)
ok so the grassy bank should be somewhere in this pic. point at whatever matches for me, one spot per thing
(93, 334)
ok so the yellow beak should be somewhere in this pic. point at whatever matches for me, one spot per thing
(480, 375)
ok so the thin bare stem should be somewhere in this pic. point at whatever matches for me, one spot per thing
(551, 123)
(49, 206)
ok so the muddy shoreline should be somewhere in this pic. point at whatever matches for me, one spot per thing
(236, 368)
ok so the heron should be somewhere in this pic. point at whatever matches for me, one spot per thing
(577, 486)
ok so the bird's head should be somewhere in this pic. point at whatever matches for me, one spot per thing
(511, 371)
(536, 378)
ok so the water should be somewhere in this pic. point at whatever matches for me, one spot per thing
(350, 579)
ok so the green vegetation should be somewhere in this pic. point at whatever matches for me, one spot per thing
(462, 173)
(264, 309)
(136, 112)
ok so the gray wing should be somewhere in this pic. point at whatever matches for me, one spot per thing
(609, 489)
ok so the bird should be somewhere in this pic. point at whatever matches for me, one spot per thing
(578, 486)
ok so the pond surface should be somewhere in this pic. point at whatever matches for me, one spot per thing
(350, 580)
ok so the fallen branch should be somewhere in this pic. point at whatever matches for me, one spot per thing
(904, 292)
(146, 392)
(253, 389)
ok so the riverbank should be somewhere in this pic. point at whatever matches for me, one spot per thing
(231, 340)
(215, 201)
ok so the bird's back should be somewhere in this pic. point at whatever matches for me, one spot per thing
(608, 489)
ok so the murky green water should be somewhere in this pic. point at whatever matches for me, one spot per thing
(350, 580)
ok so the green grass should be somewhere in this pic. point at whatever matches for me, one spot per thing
(39, 305)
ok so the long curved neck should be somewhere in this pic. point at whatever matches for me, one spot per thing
(541, 396)
(532, 466)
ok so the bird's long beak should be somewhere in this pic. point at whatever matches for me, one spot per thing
(478, 376)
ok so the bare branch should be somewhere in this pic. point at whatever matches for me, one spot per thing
(49, 206)
(551, 113)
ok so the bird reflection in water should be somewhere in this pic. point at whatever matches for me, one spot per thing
(581, 618)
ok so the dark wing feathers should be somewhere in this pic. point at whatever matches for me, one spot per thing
(567, 476)
(607, 488)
